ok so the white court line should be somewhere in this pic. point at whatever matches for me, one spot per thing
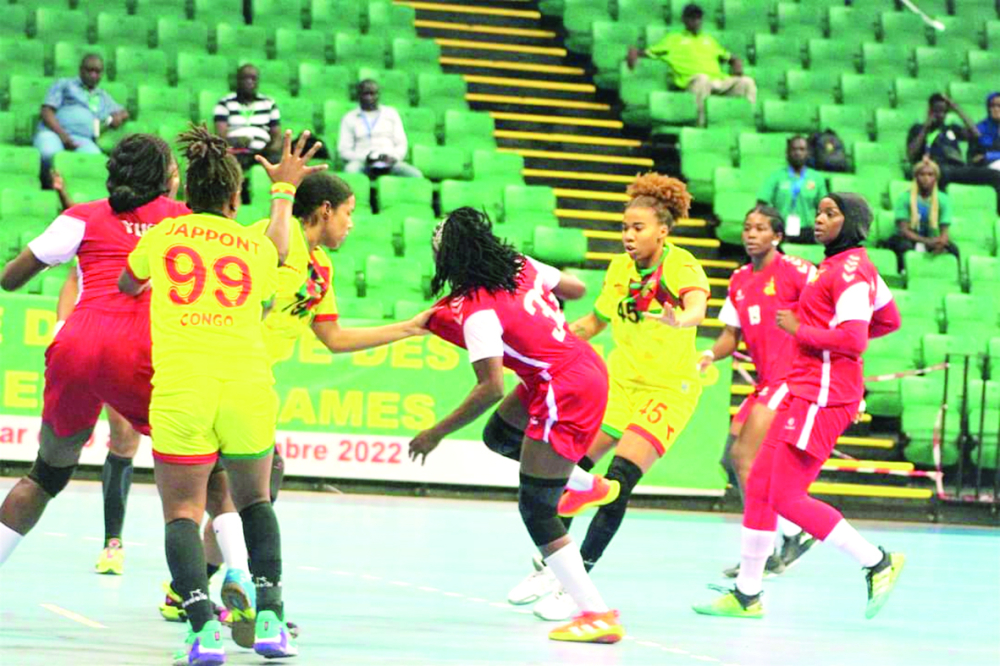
(675, 650)
(70, 615)
(649, 644)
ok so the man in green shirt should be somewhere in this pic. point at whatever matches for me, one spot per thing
(795, 190)
(695, 59)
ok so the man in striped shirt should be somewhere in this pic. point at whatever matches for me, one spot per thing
(250, 121)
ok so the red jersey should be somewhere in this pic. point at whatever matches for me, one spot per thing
(751, 304)
(527, 328)
(102, 240)
(844, 289)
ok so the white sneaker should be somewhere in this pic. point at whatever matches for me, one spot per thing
(556, 607)
(538, 584)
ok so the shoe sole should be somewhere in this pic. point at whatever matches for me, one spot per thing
(209, 660)
(607, 499)
(269, 651)
(701, 610)
(607, 639)
(872, 612)
(242, 616)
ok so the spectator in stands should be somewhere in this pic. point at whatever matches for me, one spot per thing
(695, 59)
(372, 138)
(74, 112)
(987, 153)
(923, 215)
(251, 122)
(795, 191)
(943, 144)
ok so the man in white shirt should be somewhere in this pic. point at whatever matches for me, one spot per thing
(372, 138)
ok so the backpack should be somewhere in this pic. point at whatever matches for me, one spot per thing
(827, 152)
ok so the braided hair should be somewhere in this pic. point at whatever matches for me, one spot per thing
(468, 256)
(213, 175)
(138, 171)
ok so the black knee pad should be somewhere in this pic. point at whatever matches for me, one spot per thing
(503, 438)
(538, 501)
(51, 479)
(627, 474)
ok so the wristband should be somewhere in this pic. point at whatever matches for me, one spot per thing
(284, 188)
(709, 353)
(282, 195)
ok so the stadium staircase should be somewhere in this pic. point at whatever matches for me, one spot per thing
(547, 109)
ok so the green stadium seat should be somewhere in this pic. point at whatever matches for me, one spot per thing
(298, 114)
(470, 130)
(744, 15)
(984, 275)
(53, 25)
(302, 46)
(441, 92)
(954, 348)
(359, 50)
(807, 86)
(319, 81)
(776, 52)
(966, 314)
(938, 271)
(417, 235)
(830, 55)
(137, 65)
(938, 64)
(387, 18)
(278, 14)
(969, 94)
(159, 100)
(412, 54)
(578, 16)
(560, 246)
(28, 90)
(902, 28)
(794, 18)
(406, 309)
(361, 187)
(123, 30)
(984, 422)
(738, 181)
(888, 60)
(21, 56)
(648, 76)
(175, 36)
(886, 264)
(972, 199)
(762, 145)
(849, 26)
(66, 57)
(360, 308)
(16, 161)
(921, 316)
(731, 208)
(15, 21)
(201, 70)
(594, 281)
(780, 116)
(702, 151)
(862, 90)
(983, 65)
(735, 41)
(415, 195)
(733, 113)
(275, 76)
(8, 128)
(960, 34)
(669, 111)
(77, 168)
(419, 121)
(333, 112)
(332, 15)
(908, 92)
(213, 12)
(441, 162)
(644, 12)
(611, 44)
(524, 201)
(886, 355)
(395, 86)
(482, 196)
(390, 279)
(851, 123)
(500, 168)
(870, 190)
(207, 101)
(241, 42)
(373, 234)
(922, 398)
(42, 205)
(877, 156)
(812, 253)
(169, 10)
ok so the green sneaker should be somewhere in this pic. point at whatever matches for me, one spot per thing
(272, 639)
(881, 580)
(732, 603)
(203, 648)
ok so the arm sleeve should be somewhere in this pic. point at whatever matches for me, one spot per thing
(691, 276)
(221, 112)
(849, 338)
(138, 260)
(854, 304)
(54, 96)
(885, 320)
(60, 241)
(721, 50)
(399, 142)
(550, 274)
(346, 143)
(728, 314)
(661, 48)
(483, 335)
(111, 106)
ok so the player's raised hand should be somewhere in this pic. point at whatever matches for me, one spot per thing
(294, 164)
(669, 316)
(422, 444)
(787, 321)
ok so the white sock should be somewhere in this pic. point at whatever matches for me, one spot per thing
(847, 539)
(567, 565)
(755, 546)
(788, 528)
(228, 529)
(8, 542)
(580, 480)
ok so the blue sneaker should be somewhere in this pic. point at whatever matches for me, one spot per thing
(240, 597)
(273, 640)
(203, 648)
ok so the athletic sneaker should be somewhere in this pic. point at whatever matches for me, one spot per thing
(273, 640)
(591, 628)
(575, 502)
(239, 597)
(881, 580)
(557, 607)
(792, 548)
(112, 559)
(538, 584)
(774, 567)
(171, 609)
(203, 648)
(732, 603)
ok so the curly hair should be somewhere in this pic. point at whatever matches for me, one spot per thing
(468, 256)
(213, 175)
(139, 170)
(667, 196)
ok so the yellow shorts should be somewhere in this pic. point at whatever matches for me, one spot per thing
(194, 421)
(656, 414)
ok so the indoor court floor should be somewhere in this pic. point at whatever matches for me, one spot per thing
(422, 581)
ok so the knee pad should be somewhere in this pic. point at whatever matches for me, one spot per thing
(503, 438)
(51, 479)
(626, 473)
(538, 500)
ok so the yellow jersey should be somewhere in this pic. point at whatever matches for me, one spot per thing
(646, 351)
(211, 279)
(305, 294)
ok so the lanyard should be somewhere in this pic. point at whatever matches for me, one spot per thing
(796, 184)
(370, 126)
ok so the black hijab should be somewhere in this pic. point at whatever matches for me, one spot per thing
(857, 222)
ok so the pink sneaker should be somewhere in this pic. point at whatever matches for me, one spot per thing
(575, 502)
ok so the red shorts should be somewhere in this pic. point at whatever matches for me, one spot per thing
(770, 395)
(566, 410)
(98, 358)
(809, 427)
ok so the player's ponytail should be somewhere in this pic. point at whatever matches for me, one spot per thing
(213, 175)
(317, 188)
(139, 170)
(667, 196)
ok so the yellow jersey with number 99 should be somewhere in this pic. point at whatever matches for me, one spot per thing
(211, 279)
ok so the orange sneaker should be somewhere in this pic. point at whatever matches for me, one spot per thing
(591, 628)
(575, 502)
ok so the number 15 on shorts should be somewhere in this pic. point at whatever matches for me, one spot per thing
(654, 412)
